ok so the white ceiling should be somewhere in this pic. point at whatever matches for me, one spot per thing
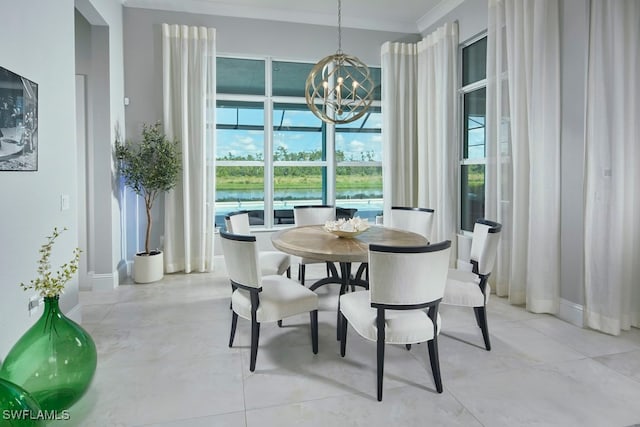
(404, 16)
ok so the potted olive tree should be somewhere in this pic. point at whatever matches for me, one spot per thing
(149, 167)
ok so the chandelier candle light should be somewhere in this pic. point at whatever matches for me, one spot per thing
(339, 88)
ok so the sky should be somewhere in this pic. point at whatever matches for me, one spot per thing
(243, 142)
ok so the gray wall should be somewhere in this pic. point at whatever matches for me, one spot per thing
(38, 43)
(235, 36)
(472, 17)
(99, 54)
(573, 47)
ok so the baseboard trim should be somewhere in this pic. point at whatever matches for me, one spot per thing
(571, 312)
(103, 282)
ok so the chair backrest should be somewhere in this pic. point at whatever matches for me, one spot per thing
(346, 213)
(408, 276)
(313, 214)
(417, 220)
(484, 246)
(237, 223)
(241, 258)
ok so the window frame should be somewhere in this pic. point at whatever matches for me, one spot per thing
(269, 102)
(462, 91)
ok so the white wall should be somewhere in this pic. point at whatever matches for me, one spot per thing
(37, 41)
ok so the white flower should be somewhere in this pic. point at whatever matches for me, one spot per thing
(350, 225)
(50, 284)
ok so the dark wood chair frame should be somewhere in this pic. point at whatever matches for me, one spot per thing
(481, 312)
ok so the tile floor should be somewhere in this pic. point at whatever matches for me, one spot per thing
(164, 361)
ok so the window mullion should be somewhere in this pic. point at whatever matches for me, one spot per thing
(268, 148)
(330, 141)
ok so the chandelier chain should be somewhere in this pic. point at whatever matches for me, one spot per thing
(339, 26)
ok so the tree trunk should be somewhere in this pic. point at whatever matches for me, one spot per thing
(148, 235)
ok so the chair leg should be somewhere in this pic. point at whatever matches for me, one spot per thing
(380, 324)
(342, 325)
(380, 354)
(280, 323)
(408, 346)
(234, 322)
(289, 272)
(255, 337)
(481, 315)
(435, 363)
(475, 311)
(314, 330)
(302, 271)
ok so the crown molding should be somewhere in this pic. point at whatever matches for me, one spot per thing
(437, 13)
(222, 8)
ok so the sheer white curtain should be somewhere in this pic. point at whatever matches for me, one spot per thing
(188, 55)
(612, 207)
(419, 83)
(399, 127)
(523, 149)
(437, 137)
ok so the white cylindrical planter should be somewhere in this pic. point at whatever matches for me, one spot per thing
(148, 268)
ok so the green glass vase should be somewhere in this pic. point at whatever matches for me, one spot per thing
(54, 361)
(17, 407)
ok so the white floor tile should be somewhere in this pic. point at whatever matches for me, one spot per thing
(575, 393)
(164, 361)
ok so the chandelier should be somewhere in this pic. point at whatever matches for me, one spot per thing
(339, 88)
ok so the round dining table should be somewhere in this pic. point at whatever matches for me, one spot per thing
(313, 241)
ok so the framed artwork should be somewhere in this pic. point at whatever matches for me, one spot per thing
(18, 122)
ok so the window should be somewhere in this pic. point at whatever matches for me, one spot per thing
(359, 163)
(473, 159)
(269, 169)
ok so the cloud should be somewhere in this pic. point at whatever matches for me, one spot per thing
(245, 140)
(356, 146)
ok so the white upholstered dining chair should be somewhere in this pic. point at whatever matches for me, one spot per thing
(261, 298)
(312, 215)
(271, 262)
(404, 281)
(417, 220)
(471, 288)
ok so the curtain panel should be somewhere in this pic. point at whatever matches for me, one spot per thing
(438, 142)
(420, 147)
(399, 127)
(523, 152)
(612, 172)
(188, 63)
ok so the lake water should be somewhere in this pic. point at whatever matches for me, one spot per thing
(368, 207)
(294, 194)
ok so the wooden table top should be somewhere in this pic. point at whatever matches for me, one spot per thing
(314, 242)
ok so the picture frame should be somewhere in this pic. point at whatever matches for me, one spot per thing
(18, 122)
